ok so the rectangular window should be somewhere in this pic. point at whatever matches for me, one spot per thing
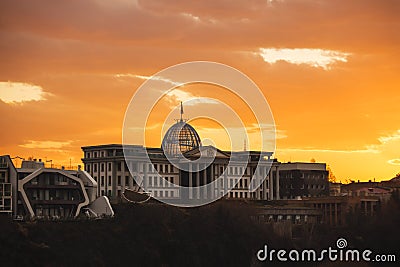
(95, 154)
(109, 193)
(150, 181)
(119, 166)
(155, 181)
(109, 180)
(161, 168)
(166, 193)
(127, 180)
(119, 179)
(171, 168)
(102, 167)
(95, 167)
(102, 182)
(109, 166)
(161, 194)
(172, 193)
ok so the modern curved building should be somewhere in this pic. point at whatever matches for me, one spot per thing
(34, 191)
(55, 193)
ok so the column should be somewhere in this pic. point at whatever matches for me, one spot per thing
(225, 182)
(271, 186)
(212, 179)
(198, 180)
(146, 178)
(190, 181)
(205, 183)
(277, 183)
(138, 176)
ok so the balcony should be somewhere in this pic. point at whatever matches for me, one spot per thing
(55, 201)
(53, 186)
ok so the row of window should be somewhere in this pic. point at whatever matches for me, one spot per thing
(102, 154)
(309, 186)
(163, 193)
(289, 175)
(159, 181)
(242, 194)
(52, 179)
(161, 168)
(54, 194)
(119, 180)
(53, 211)
(165, 168)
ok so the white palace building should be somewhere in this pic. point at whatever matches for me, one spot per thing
(114, 166)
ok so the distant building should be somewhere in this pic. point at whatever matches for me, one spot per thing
(331, 210)
(335, 189)
(38, 192)
(8, 176)
(301, 179)
(363, 189)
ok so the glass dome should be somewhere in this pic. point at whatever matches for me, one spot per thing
(180, 137)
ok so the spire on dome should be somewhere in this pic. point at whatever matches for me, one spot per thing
(181, 111)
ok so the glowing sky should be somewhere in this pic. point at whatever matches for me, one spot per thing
(329, 70)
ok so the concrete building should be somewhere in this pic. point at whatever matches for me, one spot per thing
(34, 191)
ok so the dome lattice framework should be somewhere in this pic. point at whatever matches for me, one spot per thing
(180, 137)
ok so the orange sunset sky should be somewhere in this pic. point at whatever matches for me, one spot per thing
(329, 70)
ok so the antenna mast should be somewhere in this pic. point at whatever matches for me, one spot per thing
(181, 111)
